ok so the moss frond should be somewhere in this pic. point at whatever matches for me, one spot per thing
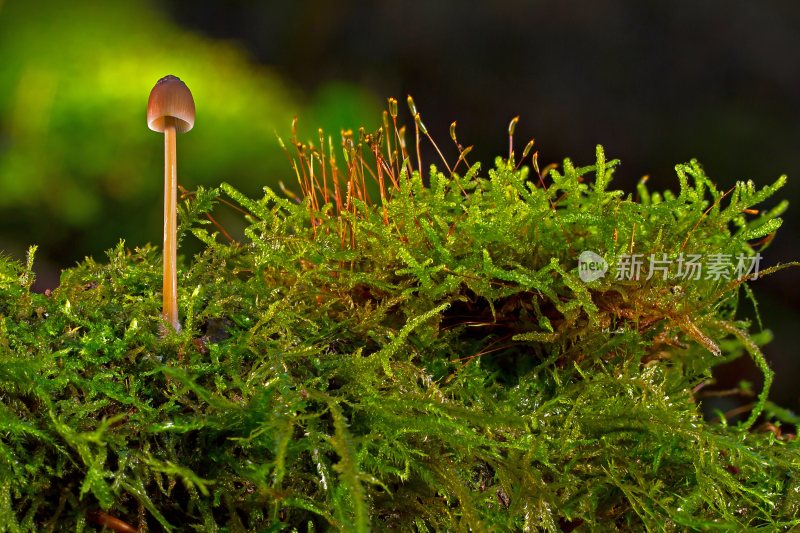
(403, 350)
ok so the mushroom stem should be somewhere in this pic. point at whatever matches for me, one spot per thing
(170, 284)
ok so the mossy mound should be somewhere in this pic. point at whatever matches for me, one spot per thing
(434, 362)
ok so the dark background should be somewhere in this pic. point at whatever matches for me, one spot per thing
(656, 82)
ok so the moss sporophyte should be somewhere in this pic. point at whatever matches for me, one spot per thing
(506, 349)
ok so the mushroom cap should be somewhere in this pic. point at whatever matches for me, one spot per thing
(170, 98)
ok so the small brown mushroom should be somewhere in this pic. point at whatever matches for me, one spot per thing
(170, 110)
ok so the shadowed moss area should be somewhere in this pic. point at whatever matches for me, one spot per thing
(431, 362)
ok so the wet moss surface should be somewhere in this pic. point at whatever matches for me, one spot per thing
(434, 361)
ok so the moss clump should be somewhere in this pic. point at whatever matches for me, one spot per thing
(430, 362)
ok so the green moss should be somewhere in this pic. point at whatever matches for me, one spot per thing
(432, 362)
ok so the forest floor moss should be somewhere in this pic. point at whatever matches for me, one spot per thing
(436, 358)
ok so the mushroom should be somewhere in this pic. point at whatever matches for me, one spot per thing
(170, 110)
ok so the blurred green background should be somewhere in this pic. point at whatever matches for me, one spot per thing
(656, 82)
(79, 169)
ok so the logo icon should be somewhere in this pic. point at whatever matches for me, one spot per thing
(591, 266)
